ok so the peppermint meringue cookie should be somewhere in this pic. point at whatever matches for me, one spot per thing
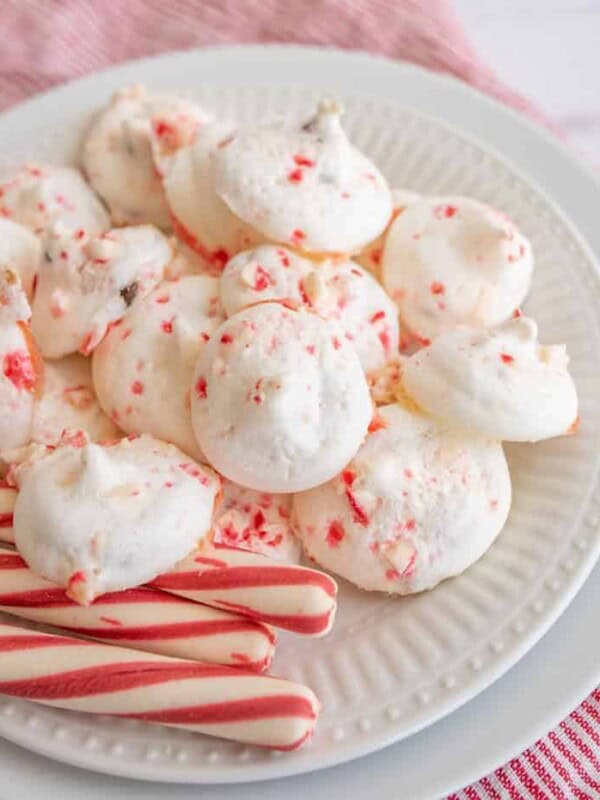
(304, 185)
(347, 294)
(419, 503)
(21, 369)
(186, 261)
(199, 217)
(343, 292)
(255, 521)
(451, 261)
(14, 307)
(126, 146)
(280, 402)
(370, 257)
(500, 383)
(97, 518)
(68, 401)
(40, 195)
(20, 250)
(385, 383)
(144, 366)
(86, 284)
(267, 272)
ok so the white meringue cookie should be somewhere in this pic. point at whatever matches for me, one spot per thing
(304, 185)
(144, 366)
(86, 284)
(342, 292)
(345, 293)
(500, 383)
(280, 402)
(370, 257)
(255, 521)
(40, 195)
(125, 148)
(186, 261)
(418, 504)
(14, 306)
(19, 383)
(200, 218)
(385, 383)
(451, 261)
(267, 272)
(20, 251)
(68, 401)
(99, 518)
(21, 368)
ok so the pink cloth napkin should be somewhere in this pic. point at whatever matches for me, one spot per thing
(45, 42)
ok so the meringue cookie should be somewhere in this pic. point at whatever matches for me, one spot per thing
(20, 251)
(280, 402)
(143, 368)
(186, 261)
(255, 521)
(346, 293)
(451, 261)
(124, 151)
(343, 292)
(384, 383)
(304, 184)
(267, 272)
(14, 307)
(418, 504)
(86, 284)
(99, 518)
(200, 218)
(68, 401)
(40, 195)
(500, 383)
(370, 257)
(21, 368)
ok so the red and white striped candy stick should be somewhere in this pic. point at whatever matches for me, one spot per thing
(299, 599)
(8, 496)
(142, 618)
(220, 701)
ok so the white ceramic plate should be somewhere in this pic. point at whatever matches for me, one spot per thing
(390, 667)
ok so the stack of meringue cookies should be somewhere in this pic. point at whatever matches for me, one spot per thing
(222, 346)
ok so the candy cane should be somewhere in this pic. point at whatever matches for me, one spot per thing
(299, 599)
(207, 698)
(143, 618)
(296, 598)
(8, 496)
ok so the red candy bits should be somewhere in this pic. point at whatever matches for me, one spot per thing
(303, 161)
(201, 389)
(19, 370)
(262, 279)
(444, 212)
(335, 534)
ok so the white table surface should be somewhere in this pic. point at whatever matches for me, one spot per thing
(549, 50)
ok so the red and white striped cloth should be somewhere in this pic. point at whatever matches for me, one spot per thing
(564, 765)
(47, 43)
